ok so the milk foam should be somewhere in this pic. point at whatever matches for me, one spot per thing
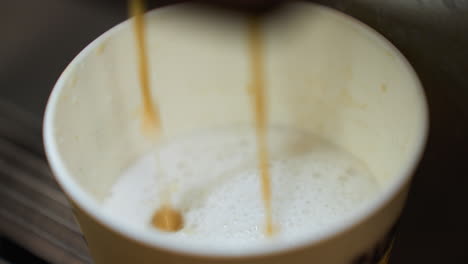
(215, 184)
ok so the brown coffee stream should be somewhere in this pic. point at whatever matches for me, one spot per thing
(257, 89)
(151, 122)
(167, 218)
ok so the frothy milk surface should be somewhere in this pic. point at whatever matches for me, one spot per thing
(214, 180)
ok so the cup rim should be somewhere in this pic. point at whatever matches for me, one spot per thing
(84, 201)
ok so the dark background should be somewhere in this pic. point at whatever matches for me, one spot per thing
(38, 38)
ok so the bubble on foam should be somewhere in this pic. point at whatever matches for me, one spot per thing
(314, 185)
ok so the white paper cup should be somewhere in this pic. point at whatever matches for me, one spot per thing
(326, 73)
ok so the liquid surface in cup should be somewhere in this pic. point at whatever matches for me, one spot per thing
(215, 177)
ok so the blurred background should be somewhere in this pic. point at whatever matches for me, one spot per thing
(39, 38)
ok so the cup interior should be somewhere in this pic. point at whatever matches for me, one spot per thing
(326, 74)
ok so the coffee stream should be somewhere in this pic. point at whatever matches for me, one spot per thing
(167, 218)
(258, 97)
(151, 122)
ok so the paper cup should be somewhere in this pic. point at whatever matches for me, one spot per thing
(326, 73)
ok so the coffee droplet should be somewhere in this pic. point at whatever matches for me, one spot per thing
(168, 219)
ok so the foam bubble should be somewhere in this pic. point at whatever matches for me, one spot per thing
(314, 185)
